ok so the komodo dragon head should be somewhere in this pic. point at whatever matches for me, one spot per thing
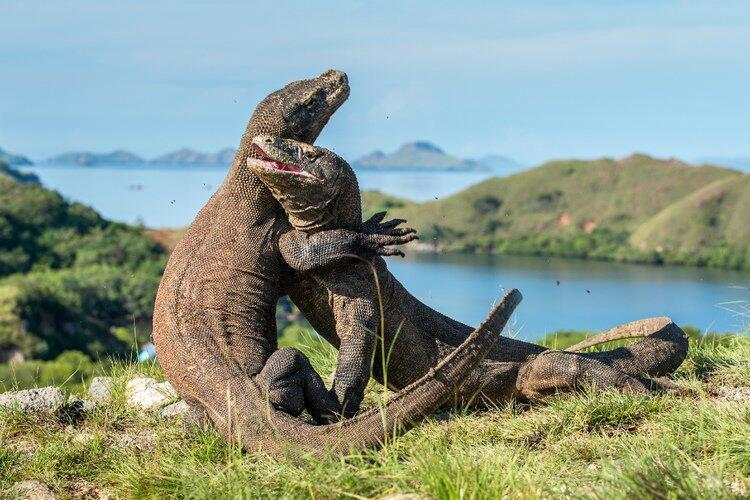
(314, 185)
(301, 109)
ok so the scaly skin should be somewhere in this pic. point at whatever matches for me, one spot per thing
(214, 324)
(419, 335)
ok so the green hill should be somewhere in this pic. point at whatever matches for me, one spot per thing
(632, 209)
(69, 278)
(716, 218)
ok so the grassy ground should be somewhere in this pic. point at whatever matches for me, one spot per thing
(602, 445)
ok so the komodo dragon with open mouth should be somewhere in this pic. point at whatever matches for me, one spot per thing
(214, 322)
(416, 337)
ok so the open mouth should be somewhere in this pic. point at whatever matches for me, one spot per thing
(269, 163)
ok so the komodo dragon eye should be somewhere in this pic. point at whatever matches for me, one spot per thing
(310, 99)
(312, 155)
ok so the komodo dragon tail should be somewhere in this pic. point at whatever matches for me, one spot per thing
(239, 410)
(663, 349)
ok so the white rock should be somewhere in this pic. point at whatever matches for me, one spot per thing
(148, 394)
(175, 410)
(45, 399)
(100, 389)
(32, 490)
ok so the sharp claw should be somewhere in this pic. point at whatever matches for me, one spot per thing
(377, 217)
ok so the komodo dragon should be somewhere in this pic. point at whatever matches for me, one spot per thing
(419, 337)
(214, 324)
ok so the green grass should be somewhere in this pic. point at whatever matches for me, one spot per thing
(592, 444)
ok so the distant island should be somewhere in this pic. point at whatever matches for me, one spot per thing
(501, 163)
(9, 158)
(88, 159)
(183, 156)
(423, 155)
(635, 209)
(186, 156)
(417, 155)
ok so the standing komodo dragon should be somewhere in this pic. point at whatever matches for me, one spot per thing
(299, 176)
(214, 323)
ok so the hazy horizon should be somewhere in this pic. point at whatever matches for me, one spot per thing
(531, 82)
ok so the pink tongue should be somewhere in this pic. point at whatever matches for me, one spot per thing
(286, 167)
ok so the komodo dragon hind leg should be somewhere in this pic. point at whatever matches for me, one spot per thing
(661, 351)
(554, 371)
(292, 385)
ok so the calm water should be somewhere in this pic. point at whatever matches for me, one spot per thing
(591, 295)
(170, 196)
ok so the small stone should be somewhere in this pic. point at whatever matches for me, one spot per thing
(143, 442)
(100, 389)
(147, 393)
(178, 409)
(32, 490)
(740, 394)
(737, 488)
(43, 400)
(82, 438)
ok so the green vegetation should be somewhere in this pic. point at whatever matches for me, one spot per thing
(68, 277)
(638, 209)
(70, 370)
(594, 444)
(375, 201)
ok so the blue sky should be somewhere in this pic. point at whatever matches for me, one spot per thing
(532, 80)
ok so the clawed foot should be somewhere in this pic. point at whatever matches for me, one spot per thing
(554, 371)
(377, 236)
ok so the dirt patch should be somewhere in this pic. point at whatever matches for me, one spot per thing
(589, 226)
(563, 220)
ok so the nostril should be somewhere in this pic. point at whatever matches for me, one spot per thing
(268, 140)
